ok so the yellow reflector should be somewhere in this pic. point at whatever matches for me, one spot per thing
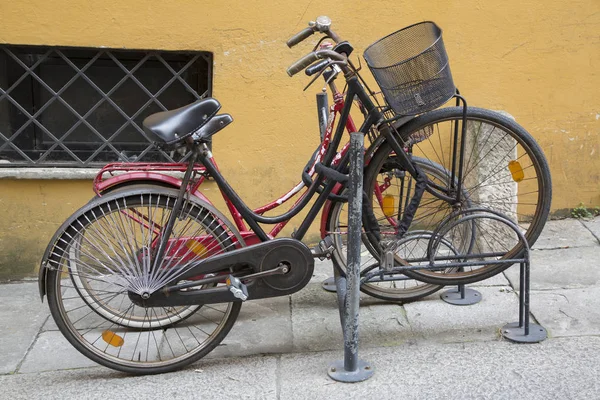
(112, 338)
(516, 170)
(388, 205)
(195, 247)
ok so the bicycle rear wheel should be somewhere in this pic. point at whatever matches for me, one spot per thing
(105, 253)
(504, 170)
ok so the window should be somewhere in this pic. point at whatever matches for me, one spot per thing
(84, 107)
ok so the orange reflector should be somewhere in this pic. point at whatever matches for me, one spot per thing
(388, 205)
(112, 338)
(195, 247)
(516, 170)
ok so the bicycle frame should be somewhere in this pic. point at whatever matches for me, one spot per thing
(157, 172)
(327, 153)
(245, 214)
(329, 157)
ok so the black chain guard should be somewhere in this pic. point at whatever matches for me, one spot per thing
(259, 258)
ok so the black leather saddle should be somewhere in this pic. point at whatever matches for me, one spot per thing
(198, 120)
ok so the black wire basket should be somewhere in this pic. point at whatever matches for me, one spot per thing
(411, 67)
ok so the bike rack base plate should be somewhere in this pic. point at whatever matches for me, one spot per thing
(329, 285)
(516, 333)
(455, 297)
(363, 372)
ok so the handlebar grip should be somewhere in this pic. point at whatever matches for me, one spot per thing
(313, 69)
(300, 36)
(302, 63)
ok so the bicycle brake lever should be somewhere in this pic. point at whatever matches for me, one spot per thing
(336, 72)
(315, 78)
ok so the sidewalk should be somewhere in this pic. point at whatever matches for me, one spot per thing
(281, 348)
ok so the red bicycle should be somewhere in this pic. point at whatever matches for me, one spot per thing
(149, 276)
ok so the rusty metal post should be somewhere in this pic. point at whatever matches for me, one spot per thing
(351, 369)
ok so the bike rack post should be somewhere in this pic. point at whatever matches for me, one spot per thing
(524, 331)
(351, 369)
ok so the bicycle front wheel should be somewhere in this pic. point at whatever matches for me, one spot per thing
(106, 252)
(391, 287)
(504, 170)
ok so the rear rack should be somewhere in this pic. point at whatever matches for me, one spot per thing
(115, 169)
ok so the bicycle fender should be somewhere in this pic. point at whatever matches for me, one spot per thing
(135, 178)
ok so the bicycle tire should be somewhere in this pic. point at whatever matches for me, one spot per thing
(110, 262)
(431, 131)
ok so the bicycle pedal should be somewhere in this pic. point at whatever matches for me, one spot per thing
(324, 249)
(237, 288)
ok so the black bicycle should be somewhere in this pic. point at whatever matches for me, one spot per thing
(148, 279)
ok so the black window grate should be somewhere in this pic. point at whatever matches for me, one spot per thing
(82, 107)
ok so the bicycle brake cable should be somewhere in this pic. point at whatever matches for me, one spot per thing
(315, 78)
(321, 41)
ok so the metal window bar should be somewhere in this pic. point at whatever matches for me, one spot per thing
(189, 78)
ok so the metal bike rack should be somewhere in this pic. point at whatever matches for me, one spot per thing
(522, 331)
(351, 369)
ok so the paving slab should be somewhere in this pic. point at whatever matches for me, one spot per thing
(243, 378)
(433, 319)
(557, 368)
(496, 280)
(49, 325)
(21, 316)
(594, 226)
(316, 321)
(564, 234)
(573, 312)
(52, 352)
(263, 326)
(561, 269)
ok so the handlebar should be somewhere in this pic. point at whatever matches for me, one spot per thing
(300, 36)
(312, 57)
(302, 63)
(321, 24)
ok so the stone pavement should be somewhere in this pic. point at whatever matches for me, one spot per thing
(281, 348)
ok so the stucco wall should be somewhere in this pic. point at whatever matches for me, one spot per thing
(538, 60)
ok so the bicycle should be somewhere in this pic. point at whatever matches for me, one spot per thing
(118, 176)
(148, 279)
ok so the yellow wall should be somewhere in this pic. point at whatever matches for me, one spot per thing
(538, 60)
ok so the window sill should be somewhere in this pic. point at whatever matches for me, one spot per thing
(49, 173)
